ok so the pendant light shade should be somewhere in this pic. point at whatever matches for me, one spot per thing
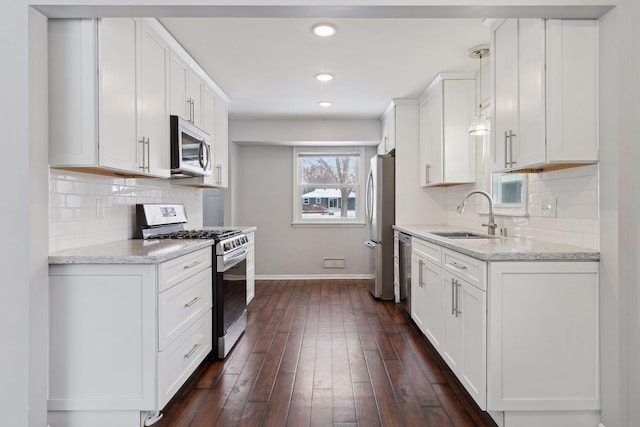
(480, 125)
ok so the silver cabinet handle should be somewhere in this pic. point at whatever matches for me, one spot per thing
(193, 264)
(453, 298)
(511, 135)
(458, 266)
(458, 285)
(148, 155)
(144, 160)
(420, 281)
(193, 110)
(193, 301)
(193, 350)
(506, 137)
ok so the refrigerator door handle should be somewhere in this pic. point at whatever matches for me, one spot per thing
(369, 197)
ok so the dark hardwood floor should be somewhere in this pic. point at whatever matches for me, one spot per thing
(325, 353)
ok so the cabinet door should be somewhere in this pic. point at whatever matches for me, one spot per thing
(418, 299)
(179, 73)
(458, 147)
(209, 126)
(153, 104)
(435, 137)
(505, 83)
(194, 96)
(118, 108)
(424, 140)
(529, 147)
(452, 337)
(472, 313)
(221, 143)
(434, 321)
(543, 352)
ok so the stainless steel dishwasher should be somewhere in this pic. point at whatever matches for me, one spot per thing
(404, 267)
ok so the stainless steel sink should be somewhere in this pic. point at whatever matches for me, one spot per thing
(461, 235)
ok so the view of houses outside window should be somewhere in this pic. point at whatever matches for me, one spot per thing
(328, 185)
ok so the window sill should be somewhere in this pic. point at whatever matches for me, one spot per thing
(326, 224)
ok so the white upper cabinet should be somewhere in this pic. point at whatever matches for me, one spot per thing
(186, 91)
(113, 83)
(388, 141)
(447, 151)
(215, 119)
(153, 129)
(545, 84)
(108, 97)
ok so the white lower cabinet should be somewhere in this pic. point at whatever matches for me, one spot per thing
(124, 338)
(521, 337)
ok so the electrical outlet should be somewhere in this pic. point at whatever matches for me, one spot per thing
(333, 263)
(550, 206)
(101, 205)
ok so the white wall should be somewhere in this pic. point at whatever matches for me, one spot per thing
(264, 197)
(74, 197)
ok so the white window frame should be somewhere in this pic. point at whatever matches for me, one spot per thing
(298, 220)
(305, 201)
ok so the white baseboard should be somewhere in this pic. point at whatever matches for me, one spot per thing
(313, 276)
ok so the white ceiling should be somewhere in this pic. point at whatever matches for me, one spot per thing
(267, 65)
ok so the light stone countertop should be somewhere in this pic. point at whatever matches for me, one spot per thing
(135, 251)
(500, 248)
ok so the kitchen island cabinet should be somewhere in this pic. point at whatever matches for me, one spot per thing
(519, 328)
(126, 336)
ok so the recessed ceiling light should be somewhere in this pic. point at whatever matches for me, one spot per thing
(324, 30)
(324, 77)
(325, 104)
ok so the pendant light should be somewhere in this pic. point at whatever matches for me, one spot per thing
(480, 125)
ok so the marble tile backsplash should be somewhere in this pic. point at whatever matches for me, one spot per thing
(86, 209)
(573, 192)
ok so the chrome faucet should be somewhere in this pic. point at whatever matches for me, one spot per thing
(491, 226)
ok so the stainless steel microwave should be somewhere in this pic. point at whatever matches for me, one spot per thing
(190, 149)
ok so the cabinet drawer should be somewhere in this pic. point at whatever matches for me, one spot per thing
(172, 272)
(427, 250)
(470, 269)
(182, 357)
(181, 305)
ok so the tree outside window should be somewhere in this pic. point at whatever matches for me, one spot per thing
(331, 177)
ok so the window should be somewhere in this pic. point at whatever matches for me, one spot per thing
(334, 179)
(509, 193)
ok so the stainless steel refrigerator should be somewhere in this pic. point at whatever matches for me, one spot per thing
(380, 212)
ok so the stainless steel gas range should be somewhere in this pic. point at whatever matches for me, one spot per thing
(229, 287)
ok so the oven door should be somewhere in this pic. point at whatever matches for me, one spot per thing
(230, 300)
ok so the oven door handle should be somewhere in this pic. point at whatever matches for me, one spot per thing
(231, 261)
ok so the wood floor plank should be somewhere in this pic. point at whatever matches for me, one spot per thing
(278, 408)
(300, 408)
(390, 412)
(365, 403)
(404, 392)
(322, 408)
(422, 388)
(325, 353)
(214, 402)
(264, 383)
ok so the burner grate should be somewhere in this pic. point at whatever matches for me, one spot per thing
(199, 234)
